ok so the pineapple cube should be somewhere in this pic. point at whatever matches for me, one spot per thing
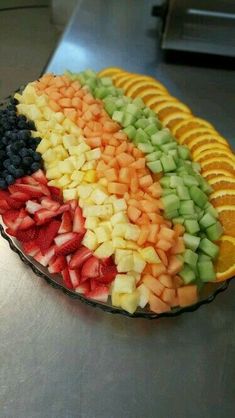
(119, 230)
(78, 149)
(18, 97)
(78, 176)
(132, 232)
(119, 218)
(91, 222)
(120, 253)
(125, 264)
(107, 225)
(61, 152)
(84, 191)
(73, 184)
(119, 242)
(90, 240)
(119, 205)
(70, 126)
(130, 245)
(29, 94)
(65, 167)
(69, 194)
(49, 155)
(104, 211)
(75, 130)
(104, 250)
(139, 262)
(80, 161)
(98, 196)
(116, 299)
(124, 283)
(50, 164)
(53, 183)
(136, 275)
(41, 101)
(55, 139)
(47, 112)
(69, 141)
(143, 295)
(93, 154)
(130, 302)
(64, 181)
(58, 128)
(58, 117)
(43, 146)
(90, 176)
(149, 255)
(41, 126)
(89, 165)
(102, 234)
(72, 159)
(53, 173)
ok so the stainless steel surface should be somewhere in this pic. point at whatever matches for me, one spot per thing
(62, 359)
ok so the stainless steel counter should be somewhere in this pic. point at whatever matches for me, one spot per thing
(62, 359)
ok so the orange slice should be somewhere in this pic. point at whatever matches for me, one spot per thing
(227, 218)
(214, 153)
(150, 93)
(139, 86)
(223, 197)
(195, 133)
(222, 162)
(203, 140)
(215, 172)
(151, 102)
(225, 264)
(126, 80)
(222, 182)
(109, 72)
(165, 108)
(208, 146)
(173, 118)
(193, 122)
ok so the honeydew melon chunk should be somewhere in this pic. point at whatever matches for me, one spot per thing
(206, 271)
(118, 116)
(130, 131)
(178, 220)
(110, 106)
(161, 137)
(130, 302)
(184, 152)
(128, 119)
(176, 181)
(143, 295)
(174, 154)
(168, 191)
(182, 192)
(187, 207)
(151, 129)
(165, 181)
(190, 258)
(169, 146)
(171, 214)
(191, 226)
(187, 274)
(214, 231)
(190, 180)
(198, 196)
(171, 202)
(207, 220)
(141, 123)
(192, 242)
(146, 148)
(138, 102)
(100, 92)
(193, 216)
(155, 166)
(155, 121)
(149, 113)
(141, 136)
(209, 208)
(153, 156)
(168, 163)
(105, 81)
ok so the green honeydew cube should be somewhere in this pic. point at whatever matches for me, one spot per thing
(168, 163)
(207, 220)
(145, 147)
(192, 242)
(151, 129)
(187, 207)
(165, 182)
(161, 137)
(155, 166)
(141, 136)
(183, 152)
(183, 192)
(187, 274)
(191, 226)
(130, 131)
(206, 271)
(118, 116)
(190, 180)
(208, 247)
(178, 220)
(141, 123)
(214, 231)
(198, 196)
(171, 202)
(156, 155)
(190, 258)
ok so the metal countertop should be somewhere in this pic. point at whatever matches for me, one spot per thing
(62, 359)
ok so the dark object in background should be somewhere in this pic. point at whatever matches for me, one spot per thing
(198, 26)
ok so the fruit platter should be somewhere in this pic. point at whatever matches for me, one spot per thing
(113, 191)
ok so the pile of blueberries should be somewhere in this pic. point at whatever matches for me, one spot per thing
(18, 156)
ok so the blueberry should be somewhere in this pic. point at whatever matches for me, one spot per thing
(37, 139)
(16, 160)
(24, 135)
(3, 184)
(31, 125)
(6, 163)
(27, 161)
(35, 166)
(12, 169)
(22, 118)
(21, 144)
(30, 152)
(10, 179)
(37, 156)
(4, 140)
(2, 154)
(23, 152)
(19, 172)
(5, 173)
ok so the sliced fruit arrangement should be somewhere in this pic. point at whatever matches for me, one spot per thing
(136, 222)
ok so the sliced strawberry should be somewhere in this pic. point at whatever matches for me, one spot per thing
(83, 288)
(74, 277)
(56, 194)
(66, 224)
(10, 231)
(66, 278)
(26, 222)
(100, 293)
(4, 206)
(107, 274)
(73, 205)
(32, 207)
(4, 194)
(78, 221)
(91, 268)
(46, 258)
(70, 245)
(45, 190)
(63, 208)
(40, 177)
(43, 216)
(11, 219)
(81, 255)
(58, 265)
(14, 204)
(20, 196)
(93, 284)
(47, 234)
(31, 190)
(29, 180)
(26, 235)
(107, 261)
(31, 248)
(50, 204)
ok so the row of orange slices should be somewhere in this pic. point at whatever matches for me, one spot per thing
(207, 147)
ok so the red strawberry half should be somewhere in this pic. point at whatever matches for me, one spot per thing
(107, 274)
(83, 288)
(57, 265)
(91, 268)
(47, 234)
(40, 177)
(100, 293)
(43, 216)
(11, 219)
(26, 235)
(78, 221)
(50, 204)
(68, 243)
(31, 248)
(74, 277)
(81, 255)
(45, 259)
(66, 278)
(66, 224)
